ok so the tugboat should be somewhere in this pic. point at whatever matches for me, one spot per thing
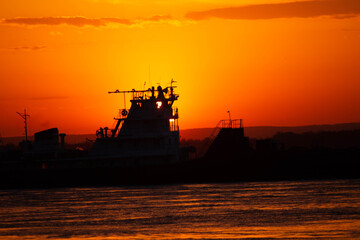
(143, 145)
(146, 134)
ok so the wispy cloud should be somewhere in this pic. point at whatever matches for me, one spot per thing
(83, 21)
(33, 48)
(340, 9)
(44, 98)
(351, 29)
(24, 48)
(47, 98)
(302, 9)
(76, 21)
(55, 33)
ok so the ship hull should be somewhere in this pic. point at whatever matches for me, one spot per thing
(325, 164)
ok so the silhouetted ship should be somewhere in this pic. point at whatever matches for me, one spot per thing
(145, 136)
(144, 148)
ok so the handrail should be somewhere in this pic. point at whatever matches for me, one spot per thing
(210, 139)
(231, 123)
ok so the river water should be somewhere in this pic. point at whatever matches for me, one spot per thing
(261, 210)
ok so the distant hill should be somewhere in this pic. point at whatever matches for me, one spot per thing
(318, 140)
(269, 131)
(201, 133)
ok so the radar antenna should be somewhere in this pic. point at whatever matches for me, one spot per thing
(172, 81)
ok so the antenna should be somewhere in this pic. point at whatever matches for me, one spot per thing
(124, 101)
(24, 116)
(230, 122)
(149, 78)
(171, 82)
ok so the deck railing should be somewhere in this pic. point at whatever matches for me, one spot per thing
(230, 123)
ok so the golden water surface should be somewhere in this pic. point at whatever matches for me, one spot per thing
(276, 210)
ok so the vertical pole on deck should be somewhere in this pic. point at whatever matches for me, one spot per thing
(230, 123)
(124, 102)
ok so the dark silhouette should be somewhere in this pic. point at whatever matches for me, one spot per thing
(230, 157)
(324, 139)
(144, 148)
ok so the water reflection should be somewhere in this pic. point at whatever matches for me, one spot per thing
(279, 210)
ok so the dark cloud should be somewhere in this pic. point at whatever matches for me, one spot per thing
(340, 9)
(304, 9)
(76, 21)
(83, 21)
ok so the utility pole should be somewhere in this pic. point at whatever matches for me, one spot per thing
(24, 116)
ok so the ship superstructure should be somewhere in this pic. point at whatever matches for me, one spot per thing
(145, 134)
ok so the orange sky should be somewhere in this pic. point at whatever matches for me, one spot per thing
(269, 62)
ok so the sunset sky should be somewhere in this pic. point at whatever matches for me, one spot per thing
(279, 63)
